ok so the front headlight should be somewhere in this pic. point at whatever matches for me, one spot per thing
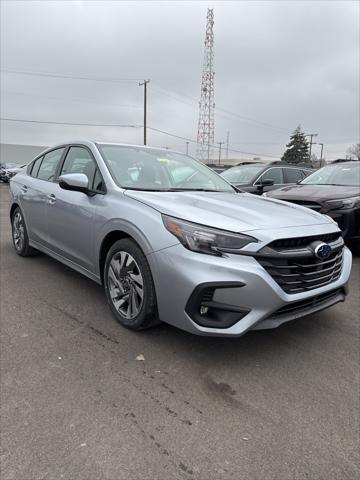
(211, 241)
(344, 203)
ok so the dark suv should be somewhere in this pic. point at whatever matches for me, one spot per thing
(259, 178)
(333, 190)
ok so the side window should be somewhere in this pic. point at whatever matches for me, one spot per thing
(293, 175)
(49, 164)
(79, 160)
(274, 174)
(35, 167)
(98, 184)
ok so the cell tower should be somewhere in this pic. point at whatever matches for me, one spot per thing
(205, 135)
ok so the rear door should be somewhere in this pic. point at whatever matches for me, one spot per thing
(293, 175)
(71, 215)
(34, 190)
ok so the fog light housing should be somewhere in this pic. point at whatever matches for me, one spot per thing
(206, 312)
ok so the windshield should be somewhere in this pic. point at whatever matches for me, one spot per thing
(140, 168)
(242, 174)
(346, 175)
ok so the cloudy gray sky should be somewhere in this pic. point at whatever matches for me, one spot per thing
(277, 64)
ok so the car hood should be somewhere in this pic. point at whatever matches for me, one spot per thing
(236, 212)
(316, 193)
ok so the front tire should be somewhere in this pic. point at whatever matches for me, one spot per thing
(129, 286)
(20, 236)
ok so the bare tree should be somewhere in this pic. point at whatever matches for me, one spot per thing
(353, 152)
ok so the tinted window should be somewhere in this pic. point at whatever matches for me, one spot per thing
(274, 174)
(293, 175)
(35, 167)
(49, 164)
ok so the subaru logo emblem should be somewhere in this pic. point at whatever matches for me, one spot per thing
(322, 250)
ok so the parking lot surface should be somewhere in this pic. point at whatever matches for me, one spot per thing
(76, 404)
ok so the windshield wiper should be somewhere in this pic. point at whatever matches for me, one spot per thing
(192, 190)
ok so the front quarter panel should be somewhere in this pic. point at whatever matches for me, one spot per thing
(144, 224)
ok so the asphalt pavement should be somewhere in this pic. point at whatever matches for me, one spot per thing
(76, 404)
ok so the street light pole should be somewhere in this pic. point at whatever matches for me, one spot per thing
(145, 82)
(187, 148)
(220, 143)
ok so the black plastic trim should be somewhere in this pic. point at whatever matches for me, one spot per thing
(221, 315)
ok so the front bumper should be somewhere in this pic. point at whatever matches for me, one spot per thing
(242, 284)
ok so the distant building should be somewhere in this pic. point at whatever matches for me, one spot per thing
(19, 154)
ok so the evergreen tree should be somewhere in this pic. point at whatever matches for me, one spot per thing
(297, 150)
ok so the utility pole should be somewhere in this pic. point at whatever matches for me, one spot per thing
(187, 148)
(145, 82)
(311, 135)
(220, 143)
(227, 145)
(321, 153)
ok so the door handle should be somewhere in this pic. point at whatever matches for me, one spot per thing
(51, 198)
(24, 188)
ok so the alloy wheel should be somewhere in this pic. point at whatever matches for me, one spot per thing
(125, 284)
(18, 231)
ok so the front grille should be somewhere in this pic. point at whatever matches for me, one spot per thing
(309, 303)
(292, 264)
(286, 243)
(308, 204)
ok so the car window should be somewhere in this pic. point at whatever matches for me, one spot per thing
(35, 166)
(98, 183)
(242, 174)
(144, 168)
(80, 160)
(293, 175)
(274, 174)
(49, 164)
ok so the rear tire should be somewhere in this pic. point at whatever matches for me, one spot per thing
(19, 235)
(129, 286)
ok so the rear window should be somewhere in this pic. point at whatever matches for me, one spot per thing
(293, 175)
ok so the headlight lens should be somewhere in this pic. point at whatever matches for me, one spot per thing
(211, 241)
(344, 203)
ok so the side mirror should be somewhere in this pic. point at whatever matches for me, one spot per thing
(76, 182)
(265, 183)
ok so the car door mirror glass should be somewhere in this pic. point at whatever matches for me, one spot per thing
(77, 182)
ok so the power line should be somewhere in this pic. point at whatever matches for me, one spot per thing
(68, 76)
(171, 94)
(191, 140)
(68, 99)
(23, 120)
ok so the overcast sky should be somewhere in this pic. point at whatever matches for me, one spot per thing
(276, 63)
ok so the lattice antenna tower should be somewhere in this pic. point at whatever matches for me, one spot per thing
(205, 135)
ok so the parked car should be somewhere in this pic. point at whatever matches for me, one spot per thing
(4, 167)
(8, 173)
(333, 190)
(258, 177)
(218, 168)
(171, 240)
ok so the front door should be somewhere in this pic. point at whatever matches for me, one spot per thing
(71, 215)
